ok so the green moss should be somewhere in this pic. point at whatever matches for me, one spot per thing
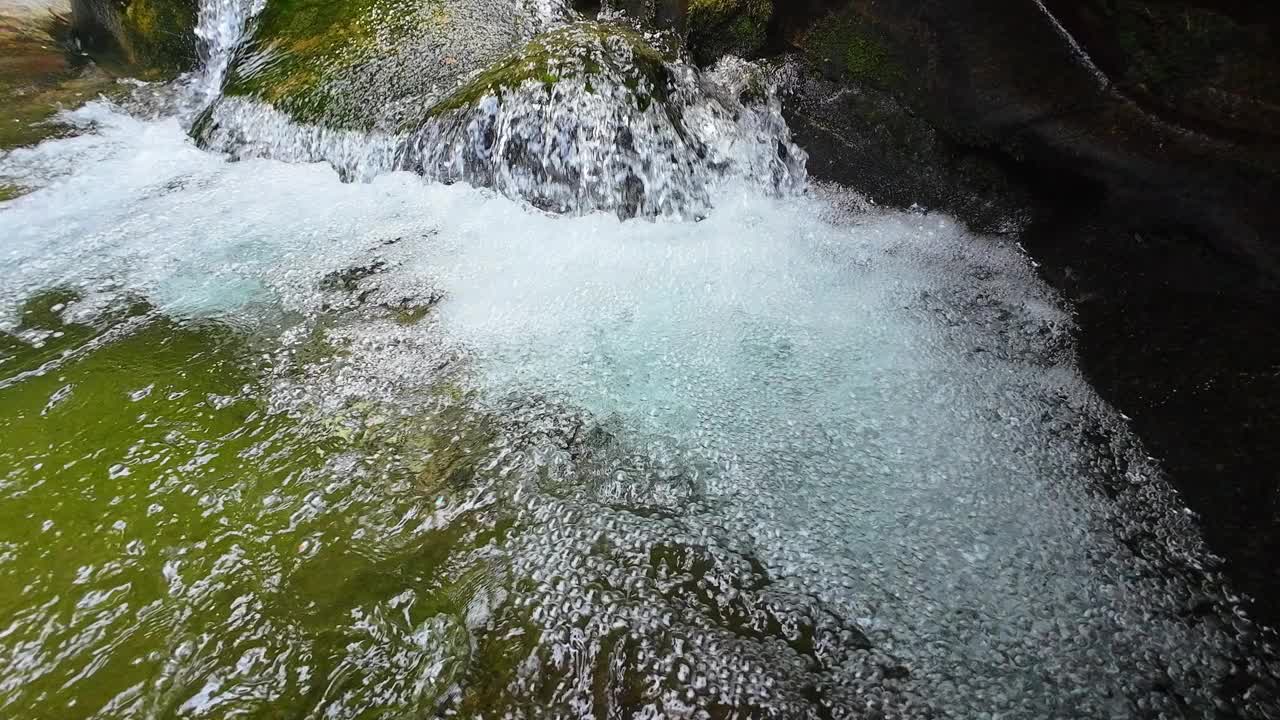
(719, 27)
(155, 38)
(9, 191)
(581, 51)
(1167, 44)
(301, 44)
(161, 33)
(848, 47)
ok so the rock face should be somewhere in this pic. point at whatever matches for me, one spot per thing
(1008, 75)
(152, 33)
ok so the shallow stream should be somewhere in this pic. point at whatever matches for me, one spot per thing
(277, 445)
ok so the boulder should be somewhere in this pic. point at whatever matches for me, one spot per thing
(374, 64)
(156, 34)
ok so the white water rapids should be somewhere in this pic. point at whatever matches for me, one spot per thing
(866, 425)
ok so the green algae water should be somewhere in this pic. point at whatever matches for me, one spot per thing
(173, 547)
(277, 445)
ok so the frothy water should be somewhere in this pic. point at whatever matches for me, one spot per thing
(796, 459)
(278, 443)
(220, 28)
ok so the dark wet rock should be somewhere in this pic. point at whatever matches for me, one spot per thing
(660, 14)
(863, 137)
(151, 33)
(1180, 336)
(720, 27)
(711, 28)
(1205, 65)
(1004, 76)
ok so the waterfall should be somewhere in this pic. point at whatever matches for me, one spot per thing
(220, 28)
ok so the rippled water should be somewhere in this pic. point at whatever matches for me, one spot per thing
(279, 445)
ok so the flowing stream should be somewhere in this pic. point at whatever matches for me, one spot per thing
(279, 445)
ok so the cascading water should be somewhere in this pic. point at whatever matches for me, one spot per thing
(220, 29)
(280, 444)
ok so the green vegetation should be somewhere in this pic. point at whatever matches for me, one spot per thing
(161, 33)
(847, 46)
(9, 191)
(581, 51)
(304, 43)
(1165, 44)
(720, 27)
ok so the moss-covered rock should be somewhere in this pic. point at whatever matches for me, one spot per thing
(588, 117)
(849, 46)
(372, 64)
(580, 52)
(158, 34)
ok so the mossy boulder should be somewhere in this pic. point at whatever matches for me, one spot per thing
(158, 34)
(583, 53)
(372, 64)
(591, 116)
(851, 47)
(588, 117)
